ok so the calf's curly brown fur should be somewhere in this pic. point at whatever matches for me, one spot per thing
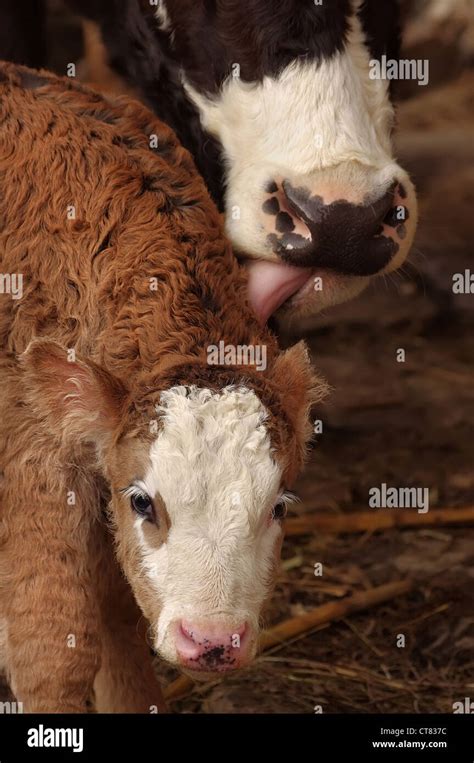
(127, 278)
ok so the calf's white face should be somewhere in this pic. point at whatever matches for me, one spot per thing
(196, 488)
(213, 482)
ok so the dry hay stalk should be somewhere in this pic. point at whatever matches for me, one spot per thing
(372, 521)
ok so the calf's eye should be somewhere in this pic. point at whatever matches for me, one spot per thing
(279, 511)
(143, 506)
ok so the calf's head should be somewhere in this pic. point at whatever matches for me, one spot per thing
(313, 190)
(198, 487)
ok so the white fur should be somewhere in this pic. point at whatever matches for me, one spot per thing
(313, 118)
(212, 466)
(161, 15)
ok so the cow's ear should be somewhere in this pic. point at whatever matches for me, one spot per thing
(75, 398)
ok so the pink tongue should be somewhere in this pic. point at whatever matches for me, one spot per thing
(272, 283)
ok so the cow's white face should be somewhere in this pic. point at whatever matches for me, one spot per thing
(208, 551)
(312, 187)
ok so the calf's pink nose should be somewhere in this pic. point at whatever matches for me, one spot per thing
(211, 646)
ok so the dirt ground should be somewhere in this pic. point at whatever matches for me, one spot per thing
(403, 423)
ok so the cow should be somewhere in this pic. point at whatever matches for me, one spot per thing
(278, 103)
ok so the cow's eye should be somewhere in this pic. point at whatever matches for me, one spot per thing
(143, 506)
(279, 511)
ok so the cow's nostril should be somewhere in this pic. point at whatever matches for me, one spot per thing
(187, 632)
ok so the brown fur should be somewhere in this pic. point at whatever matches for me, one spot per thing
(140, 214)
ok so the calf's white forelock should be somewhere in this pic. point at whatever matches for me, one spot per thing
(213, 468)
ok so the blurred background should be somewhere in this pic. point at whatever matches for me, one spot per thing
(401, 423)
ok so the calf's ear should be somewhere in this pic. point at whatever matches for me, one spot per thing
(75, 398)
(299, 384)
(299, 387)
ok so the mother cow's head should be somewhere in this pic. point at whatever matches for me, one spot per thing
(276, 102)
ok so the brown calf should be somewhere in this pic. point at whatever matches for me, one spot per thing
(129, 391)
